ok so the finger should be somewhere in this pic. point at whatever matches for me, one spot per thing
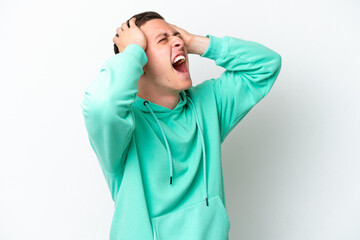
(124, 26)
(118, 31)
(132, 22)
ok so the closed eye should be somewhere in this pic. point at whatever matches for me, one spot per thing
(178, 35)
(162, 39)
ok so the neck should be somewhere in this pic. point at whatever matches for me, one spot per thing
(166, 100)
(157, 94)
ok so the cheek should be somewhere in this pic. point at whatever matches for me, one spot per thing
(159, 63)
(158, 54)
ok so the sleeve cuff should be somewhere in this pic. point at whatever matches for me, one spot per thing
(217, 48)
(133, 50)
(138, 52)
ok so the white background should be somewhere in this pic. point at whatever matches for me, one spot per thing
(292, 165)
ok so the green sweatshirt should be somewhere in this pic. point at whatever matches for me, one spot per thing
(163, 167)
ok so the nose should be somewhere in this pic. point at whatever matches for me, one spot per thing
(177, 42)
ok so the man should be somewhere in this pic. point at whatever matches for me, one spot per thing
(158, 138)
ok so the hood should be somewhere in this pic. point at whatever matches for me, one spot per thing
(160, 110)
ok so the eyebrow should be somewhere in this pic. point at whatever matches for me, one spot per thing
(167, 35)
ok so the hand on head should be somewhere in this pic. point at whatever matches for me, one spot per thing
(129, 34)
(186, 36)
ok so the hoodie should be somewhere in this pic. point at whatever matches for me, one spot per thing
(163, 166)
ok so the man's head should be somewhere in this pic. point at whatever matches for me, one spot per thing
(141, 19)
(167, 70)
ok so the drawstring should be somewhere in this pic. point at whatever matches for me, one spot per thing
(166, 142)
(146, 103)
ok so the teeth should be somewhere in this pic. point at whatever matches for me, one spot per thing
(178, 58)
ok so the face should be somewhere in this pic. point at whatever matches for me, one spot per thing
(164, 45)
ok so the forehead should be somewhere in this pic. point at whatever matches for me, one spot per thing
(155, 27)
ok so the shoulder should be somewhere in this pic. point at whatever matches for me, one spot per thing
(202, 89)
(202, 95)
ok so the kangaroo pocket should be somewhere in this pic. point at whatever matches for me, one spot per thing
(195, 222)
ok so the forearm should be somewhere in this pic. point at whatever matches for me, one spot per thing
(198, 44)
(240, 55)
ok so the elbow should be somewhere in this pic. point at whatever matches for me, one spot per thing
(274, 71)
(277, 62)
(274, 65)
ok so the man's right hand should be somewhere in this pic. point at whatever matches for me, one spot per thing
(129, 35)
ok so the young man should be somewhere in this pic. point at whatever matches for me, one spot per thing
(158, 138)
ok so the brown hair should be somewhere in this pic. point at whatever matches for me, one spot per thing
(141, 19)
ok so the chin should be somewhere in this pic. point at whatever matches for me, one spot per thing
(187, 84)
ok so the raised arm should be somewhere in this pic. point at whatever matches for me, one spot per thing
(251, 70)
(108, 99)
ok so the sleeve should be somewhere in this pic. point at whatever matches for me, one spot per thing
(251, 70)
(106, 107)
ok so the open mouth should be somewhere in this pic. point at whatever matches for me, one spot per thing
(180, 65)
